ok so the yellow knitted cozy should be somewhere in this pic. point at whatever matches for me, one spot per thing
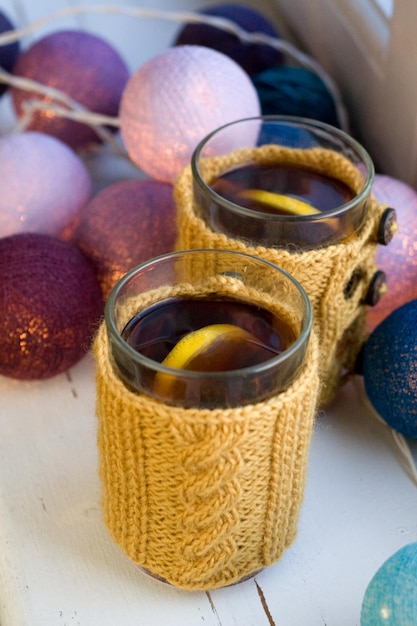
(336, 278)
(203, 498)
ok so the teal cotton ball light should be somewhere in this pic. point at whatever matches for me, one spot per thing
(297, 91)
(389, 367)
(391, 596)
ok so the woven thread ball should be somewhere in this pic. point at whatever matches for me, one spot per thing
(399, 259)
(44, 185)
(8, 53)
(252, 57)
(391, 597)
(83, 66)
(124, 225)
(390, 369)
(51, 302)
(174, 100)
(295, 91)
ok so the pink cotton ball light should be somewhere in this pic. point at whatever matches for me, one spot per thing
(174, 100)
(51, 304)
(125, 224)
(81, 65)
(44, 185)
(399, 258)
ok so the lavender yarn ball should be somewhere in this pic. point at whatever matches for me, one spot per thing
(51, 303)
(44, 185)
(126, 224)
(83, 66)
(177, 98)
(8, 53)
(252, 57)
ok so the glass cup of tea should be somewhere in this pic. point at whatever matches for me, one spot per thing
(207, 384)
(208, 328)
(282, 182)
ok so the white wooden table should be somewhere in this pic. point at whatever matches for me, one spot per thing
(58, 565)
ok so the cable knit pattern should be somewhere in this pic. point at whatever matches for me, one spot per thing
(325, 273)
(203, 498)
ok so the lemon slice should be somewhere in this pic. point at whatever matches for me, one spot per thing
(194, 344)
(288, 204)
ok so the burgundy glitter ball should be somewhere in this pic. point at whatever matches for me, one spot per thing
(126, 224)
(51, 304)
(83, 66)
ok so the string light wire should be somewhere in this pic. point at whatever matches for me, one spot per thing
(65, 106)
(174, 16)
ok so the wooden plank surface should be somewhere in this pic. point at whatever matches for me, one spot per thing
(58, 565)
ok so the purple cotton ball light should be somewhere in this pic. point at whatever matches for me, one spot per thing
(51, 303)
(83, 66)
(177, 98)
(44, 185)
(124, 225)
(252, 57)
(8, 53)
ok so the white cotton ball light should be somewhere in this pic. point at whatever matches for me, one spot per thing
(44, 185)
(174, 100)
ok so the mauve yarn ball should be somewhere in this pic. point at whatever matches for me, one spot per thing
(44, 185)
(253, 57)
(174, 100)
(51, 304)
(83, 66)
(126, 224)
(9, 52)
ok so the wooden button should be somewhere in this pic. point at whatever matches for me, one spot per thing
(377, 288)
(388, 226)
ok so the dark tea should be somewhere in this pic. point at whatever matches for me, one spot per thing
(282, 189)
(206, 337)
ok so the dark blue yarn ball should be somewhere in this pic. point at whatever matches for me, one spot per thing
(390, 369)
(253, 58)
(9, 52)
(296, 91)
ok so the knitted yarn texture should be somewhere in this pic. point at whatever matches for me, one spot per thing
(336, 277)
(203, 497)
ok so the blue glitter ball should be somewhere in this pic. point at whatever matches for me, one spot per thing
(390, 369)
(391, 596)
(253, 58)
(8, 53)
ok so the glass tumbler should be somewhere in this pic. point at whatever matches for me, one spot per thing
(296, 192)
(207, 384)
(250, 323)
(282, 182)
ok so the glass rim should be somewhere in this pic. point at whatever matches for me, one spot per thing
(129, 351)
(276, 217)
